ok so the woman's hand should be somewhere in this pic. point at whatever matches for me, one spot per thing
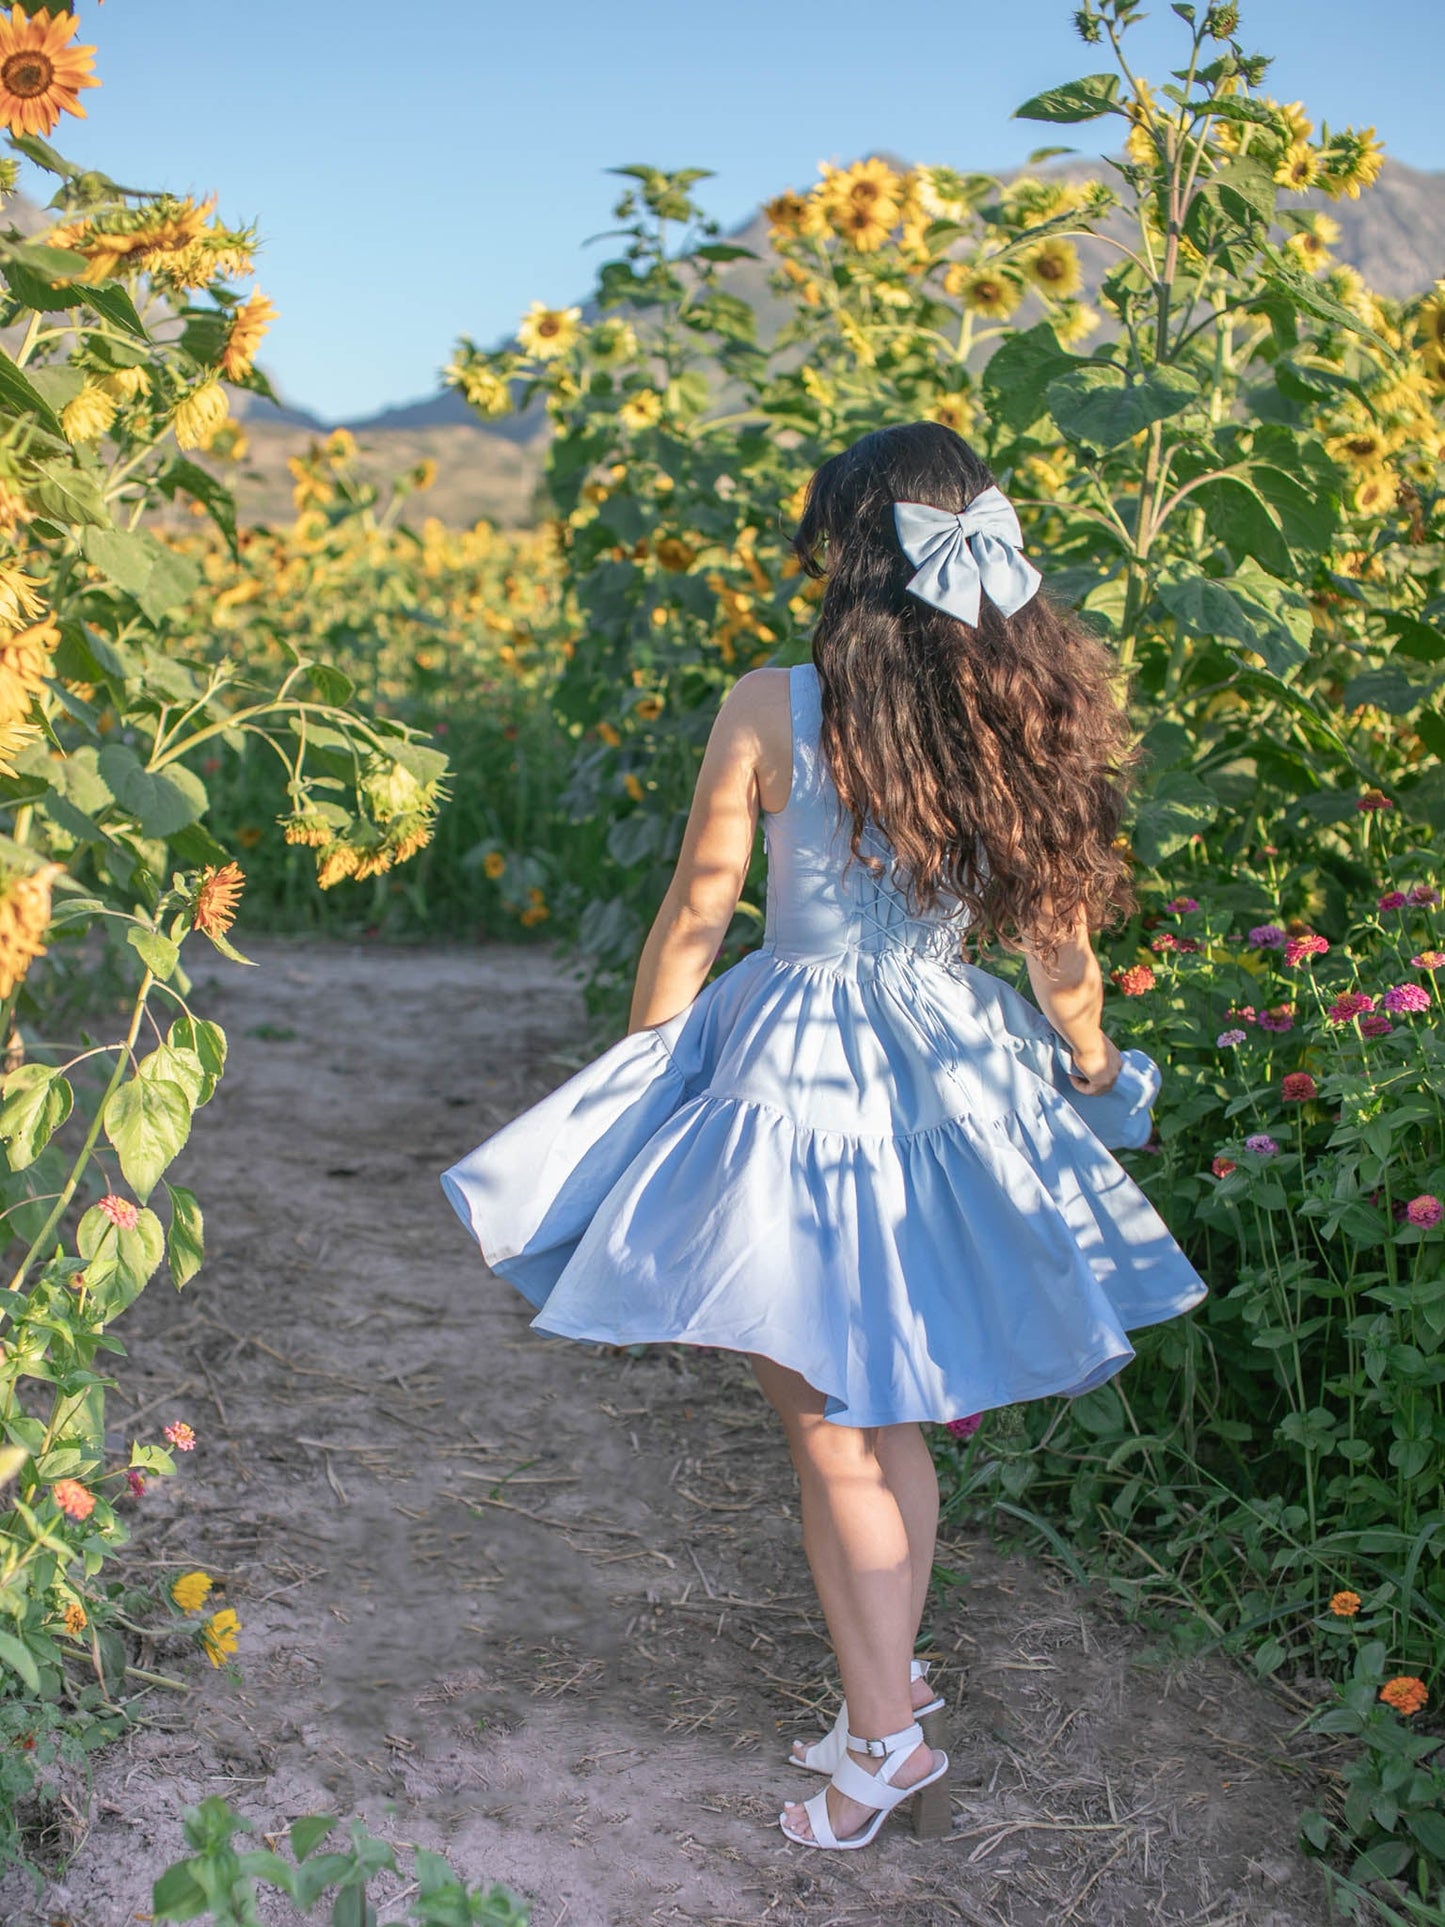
(1095, 1070)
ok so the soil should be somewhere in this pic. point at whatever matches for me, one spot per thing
(543, 1606)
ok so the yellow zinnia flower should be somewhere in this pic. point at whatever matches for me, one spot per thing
(87, 416)
(221, 1635)
(41, 74)
(1299, 167)
(984, 290)
(191, 1590)
(248, 324)
(200, 414)
(1054, 267)
(641, 410)
(548, 332)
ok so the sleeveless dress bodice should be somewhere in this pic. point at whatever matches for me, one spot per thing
(852, 1152)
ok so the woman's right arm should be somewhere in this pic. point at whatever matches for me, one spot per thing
(1071, 996)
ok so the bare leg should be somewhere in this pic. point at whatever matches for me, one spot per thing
(912, 1479)
(857, 1545)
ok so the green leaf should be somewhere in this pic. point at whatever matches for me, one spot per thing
(37, 1102)
(120, 1261)
(162, 801)
(71, 495)
(1415, 639)
(206, 1041)
(185, 1240)
(1017, 374)
(1301, 290)
(1390, 689)
(1251, 607)
(19, 396)
(1099, 404)
(332, 685)
(172, 580)
(1176, 808)
(123, 555)
(1076, 100)
(147, 1121)
(202, 487)
(179, 1895)
(309, 1831)
(18, 1657)
(156, 952)
(1428, 1827)
(113, 304)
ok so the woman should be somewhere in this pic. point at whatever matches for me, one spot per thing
(871, 1166)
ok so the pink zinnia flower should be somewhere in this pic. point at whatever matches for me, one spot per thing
(1134, 981)
(1262, 1144)
(1403, 997)
(1299, 949)
(1298, 1088)
(1374, 800)
(73, 1499)
(1189, 944)
(964, 1428)
(121, 1212)
(1227, 1038)
(136, 1483)
(1375, 1025)
(1424, 895)
(1164, 941)
(1348, 1006)
(1279, 1017)
(1266, 936)
(1246, 1014)
(180, 1435)
(1393, 900)
(1222, 1167)
(1425, 1210)
(1429, 960)
(1180, 905)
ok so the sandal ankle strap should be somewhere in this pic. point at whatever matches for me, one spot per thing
(904, 1740)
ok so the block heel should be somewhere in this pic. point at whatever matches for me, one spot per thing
(933, 1809)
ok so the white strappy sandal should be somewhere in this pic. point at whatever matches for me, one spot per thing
(824, 1755)
(932, 1812)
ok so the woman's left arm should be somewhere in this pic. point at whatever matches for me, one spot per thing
(712, 865)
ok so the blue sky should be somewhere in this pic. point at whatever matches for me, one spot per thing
(421, 170)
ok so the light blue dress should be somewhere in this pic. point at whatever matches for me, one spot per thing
(852, 1152)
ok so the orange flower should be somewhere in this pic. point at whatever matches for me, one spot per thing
(180, 1435)
(40, 72)
(75, 1619)
(217, 897)
(1405, 1693)
(73, 1499)
(1134, 981)
(1344, 1605)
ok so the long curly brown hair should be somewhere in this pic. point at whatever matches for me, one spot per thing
(997, 760)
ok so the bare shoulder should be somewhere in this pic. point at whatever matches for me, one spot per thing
(757, 719)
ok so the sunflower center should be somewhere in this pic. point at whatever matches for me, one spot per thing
(27, 74)
(1050, 268)
(548, 326)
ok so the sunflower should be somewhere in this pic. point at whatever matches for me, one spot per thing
(14, 508)
(21, 596)
(984, 290)
(548, 332)
(1376, 493)
(24, 919)
(87, 415)
(1351, 162)
(942, 194)
(217, 895)
(200, 414)
(868, 186)
(641, 410)
(865, 226)
(953, 411)
(1054, 267)
(1298, 125)
(1311, 245)
(248, 324)
(1073, 322)
(40, 72)
(1299, 167)
(1430, 327)
(612, 344)
(191, 1590)
(1362, 447)
(787, 212)
(221, 1635)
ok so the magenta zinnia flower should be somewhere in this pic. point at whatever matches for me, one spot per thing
(1298, 1088)
(1375, 1025)
(1348, 1006)
(1266, 936)
(1164, 941)
(1425, 1210)
(964, 1428)
(1279, 1018)
(1403, 997)
(1424, 895)
(1180, 905)
(1245, 1014)
(1299, 949)
(1393, 900)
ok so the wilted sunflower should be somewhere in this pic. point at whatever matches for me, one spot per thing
(41, 74)
(217, 895)
(221, 1635)
(248, 324)
(787, 213)
(1054, 267)
(24, 920)
(21, 595)
(1298, 168)
(984, 290)
(306, 829)
(88, 415)
(200, 414)
(334, 862)
(548, 332)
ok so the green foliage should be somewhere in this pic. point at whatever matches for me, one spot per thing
(221, 1883)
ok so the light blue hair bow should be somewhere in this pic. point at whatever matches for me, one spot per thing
(958, 557)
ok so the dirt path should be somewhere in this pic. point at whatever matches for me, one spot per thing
(580, 1681)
